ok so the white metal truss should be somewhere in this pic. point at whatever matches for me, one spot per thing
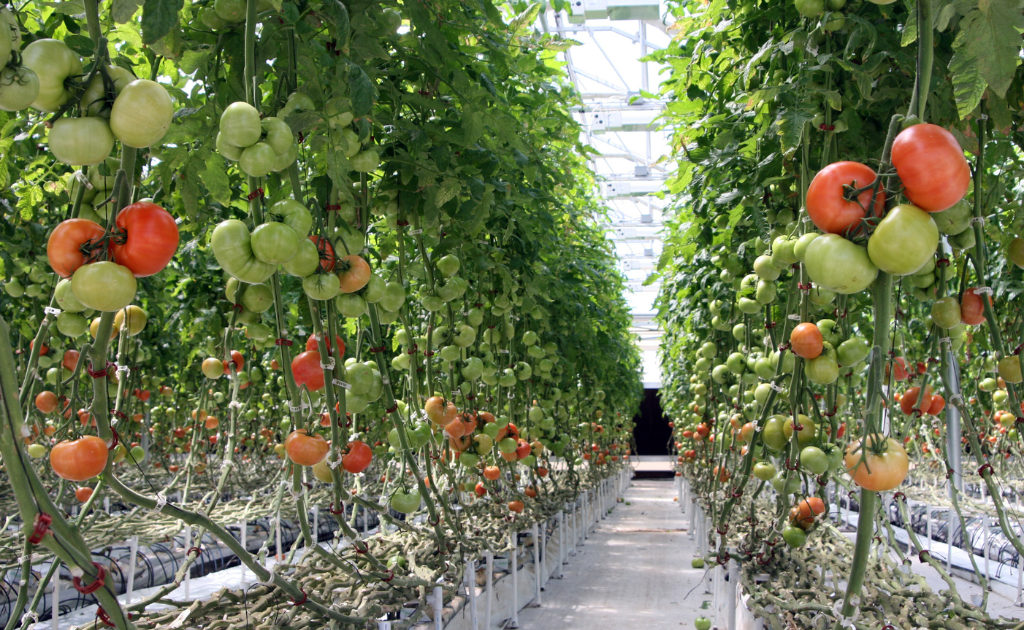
(620, 118)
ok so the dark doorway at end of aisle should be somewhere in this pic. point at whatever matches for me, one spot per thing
(652, 436)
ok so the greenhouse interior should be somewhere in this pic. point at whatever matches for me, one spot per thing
(497, 314)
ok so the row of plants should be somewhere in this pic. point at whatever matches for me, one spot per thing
(261, 246)
(840, 287)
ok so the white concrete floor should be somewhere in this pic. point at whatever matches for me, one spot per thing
(633, 572)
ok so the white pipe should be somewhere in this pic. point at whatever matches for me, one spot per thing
(188, 571)
(243, 527)
(438, 607)
(513, 559)
(55, 600)
(471, 592)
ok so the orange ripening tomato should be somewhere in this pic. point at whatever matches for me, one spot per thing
(491, 473)
(64, 247)
(826, 204)
(70, 360)
(83, 494)
(883, 471)
(353, 273)
(146, 239)
(938, 404)
(79, 460)
(313, 344)
(211, 422)
(516, 506)
(305, 450)
(807, 341)
(972, 309)
(932, 167)
(804, 512)
(46, 402)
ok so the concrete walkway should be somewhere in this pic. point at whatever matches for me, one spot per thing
(633, 572)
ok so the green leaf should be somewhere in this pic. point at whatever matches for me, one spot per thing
(472, 127)
(790, 125)
(526, 18)
(128, 34)
(215, 176)
(338, 13)
(968, 86)
(448, 190)
(362, 91)
(990, 35)
(123, 10)
(158, 18)
(910, 28)
(80, 44)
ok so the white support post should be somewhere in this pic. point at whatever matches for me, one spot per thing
(732, 594)
(949, 542)
(984, 520)
(279, 555)
(133, 549)
(438, 607)
(928, 514)
(1020, 586)
(561, 542)
(316, 524)
(383, 624)
(243, 528)
(55, 599)
(513, 560)
(489, 556)
(544, 551)
(366, 522)
(586, 516)
(536, 562)
(188, 572)
(106, 505)
(471, 592)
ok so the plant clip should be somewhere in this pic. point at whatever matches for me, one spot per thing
(792, 466)
(770, 325)
(888, 626)
(198, 550)
(331, 509)
(98, 373)
(391, 576)
(434, 522)
(119, 414)
(105, 618)
(402, 223)
(414, 349)
(949, 472)
(258, 193)
(40, 526)
(302, 138)
(723, 558)
(736, 494)
(981, 471)
(921, 555)
(899, 496)
(332, 207)
(722, 529)
(428, 353)
(804, 287)
(783, 347)
(825, 127)
(114, 440)
(301, 601)
(355, 545)
(238, 307)
(101, 577)
(377, 350)
(283, 342)
(1016, 351)
(393, 409)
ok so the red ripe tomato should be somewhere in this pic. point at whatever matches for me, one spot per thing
(306, 370)
(326, 252)
(357, 458)
(305, 450)
(516, 506)
(938, 404)
(64, 249)
(43, 349)
(807, 341)
(932, 166)
(311, 344)
(146, 238)
(703, 430)
(972, 309)
(237, 359)
(79, 460)
(523, 449)
(687, 434)
(899, 369)
(909, 402)
(46, 402)
(480, 489)
(825, 203)
(70, 360)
